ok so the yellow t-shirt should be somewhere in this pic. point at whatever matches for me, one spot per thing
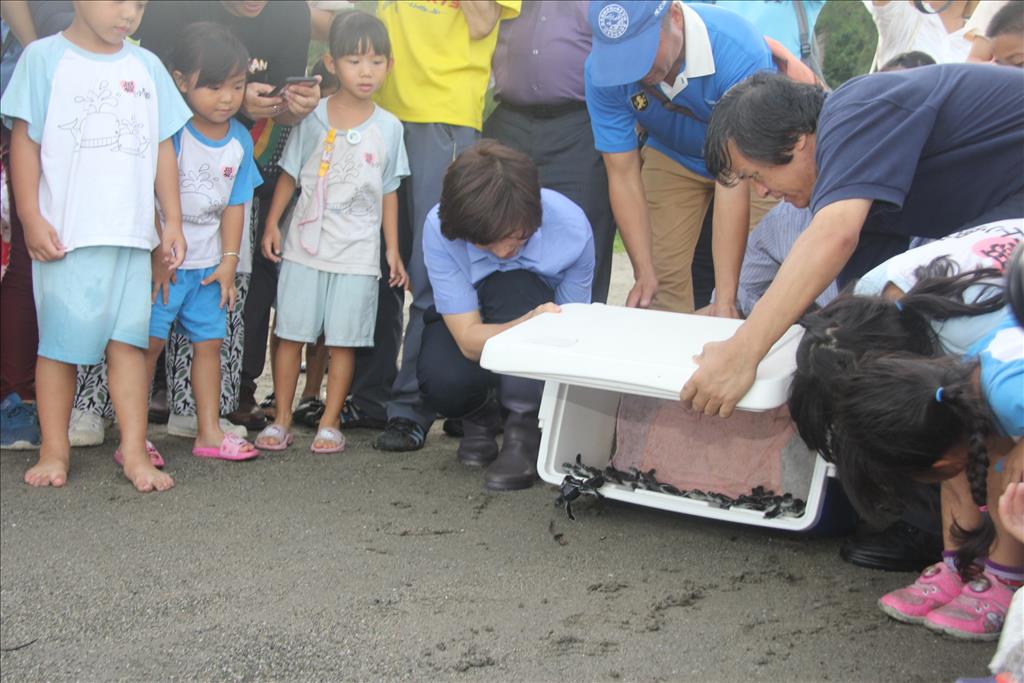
(440, 75)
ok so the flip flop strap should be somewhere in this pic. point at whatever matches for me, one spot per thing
(271, 431)
(329, 434)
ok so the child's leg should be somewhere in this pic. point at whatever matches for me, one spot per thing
(340, 369)
(156, 345)
(129, 391)
(287, 358)
(206, 387)
(1007, 551)
(55, 386)
(316, 366)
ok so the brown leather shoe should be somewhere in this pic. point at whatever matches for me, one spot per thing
(250, 417)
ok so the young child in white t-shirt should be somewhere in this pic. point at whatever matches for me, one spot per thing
(348, 158)
(93, 117)
(217, 177)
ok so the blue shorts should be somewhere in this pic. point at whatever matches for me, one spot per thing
(92, 296)
(193, 306)
(311, 301)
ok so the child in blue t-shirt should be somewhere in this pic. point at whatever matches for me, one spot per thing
(217, 177)
(348, 158)
(93, 118)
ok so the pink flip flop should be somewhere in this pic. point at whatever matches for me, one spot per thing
(155, 458)
(274, 431)
(232, 447)
(331, 434)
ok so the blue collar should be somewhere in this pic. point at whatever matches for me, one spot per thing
(529, 255)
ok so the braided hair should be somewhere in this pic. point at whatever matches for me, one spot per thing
(895, 417)
(837, 335)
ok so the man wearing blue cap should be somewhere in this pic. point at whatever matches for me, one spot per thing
(662, 66)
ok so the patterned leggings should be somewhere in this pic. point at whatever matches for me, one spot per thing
(92, 394)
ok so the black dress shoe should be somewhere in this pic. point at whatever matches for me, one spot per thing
(899, 547)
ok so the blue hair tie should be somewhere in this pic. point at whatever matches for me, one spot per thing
(898, 305)
(938, 395)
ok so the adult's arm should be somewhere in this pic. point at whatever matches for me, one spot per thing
(481, 15)
(471, 333)
(629, 206)
(18, 17)
(730, 225)
(727, 369)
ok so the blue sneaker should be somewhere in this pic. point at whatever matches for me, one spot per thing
(19, 424)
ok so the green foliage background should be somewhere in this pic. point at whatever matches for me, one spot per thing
(848, 38)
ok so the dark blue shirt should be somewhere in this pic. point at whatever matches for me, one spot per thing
(934, 147)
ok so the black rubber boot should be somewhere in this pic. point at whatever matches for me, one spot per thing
(478, 447)
(516, 466)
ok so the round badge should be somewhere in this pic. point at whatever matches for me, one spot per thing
(613, 20)
(353, 137)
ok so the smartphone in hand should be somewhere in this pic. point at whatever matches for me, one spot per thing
(291, 80)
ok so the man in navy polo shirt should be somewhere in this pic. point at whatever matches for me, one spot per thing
(662, 66)
(924, 152)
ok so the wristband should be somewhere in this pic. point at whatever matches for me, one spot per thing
(230, 253)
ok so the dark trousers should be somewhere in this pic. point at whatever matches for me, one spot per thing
(703, 267)
(875, 248)
(452, 384)
(377, 366)
(259, 301)
(19, 334)
(562, 148)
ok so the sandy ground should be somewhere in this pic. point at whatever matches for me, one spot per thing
(400, 566)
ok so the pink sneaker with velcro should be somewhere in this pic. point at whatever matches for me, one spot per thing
(977, 613)
(937, 585)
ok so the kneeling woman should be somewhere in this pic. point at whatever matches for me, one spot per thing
(498, 251)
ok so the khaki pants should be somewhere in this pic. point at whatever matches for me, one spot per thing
(678, 199)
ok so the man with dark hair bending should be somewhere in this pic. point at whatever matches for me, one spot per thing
(498, 250)
(924, 152)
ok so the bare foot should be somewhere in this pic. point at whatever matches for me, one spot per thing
(51, 470)
(145, 477)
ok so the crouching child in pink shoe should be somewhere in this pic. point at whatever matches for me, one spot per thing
(899, 417)
(217, 177)
(93, 117)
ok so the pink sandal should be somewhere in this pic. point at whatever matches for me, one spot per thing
(331, 435)
(155, 458)
(231, 448)
(274, 431)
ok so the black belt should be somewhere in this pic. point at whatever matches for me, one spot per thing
(545, 111)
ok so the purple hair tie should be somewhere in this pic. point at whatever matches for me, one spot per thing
(983, 509)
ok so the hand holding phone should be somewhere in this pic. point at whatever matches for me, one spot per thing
(292, 80)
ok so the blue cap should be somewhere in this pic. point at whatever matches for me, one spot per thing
(626, 37)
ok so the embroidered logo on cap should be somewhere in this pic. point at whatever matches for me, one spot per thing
(613, 20)
(640, 101)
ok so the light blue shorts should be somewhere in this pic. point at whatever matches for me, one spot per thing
(92, 296)
(194, 306)
(311, 301)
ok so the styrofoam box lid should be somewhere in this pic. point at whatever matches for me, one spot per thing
(631, 350)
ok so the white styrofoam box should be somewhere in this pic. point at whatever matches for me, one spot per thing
(632, 350)
(589, 355)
